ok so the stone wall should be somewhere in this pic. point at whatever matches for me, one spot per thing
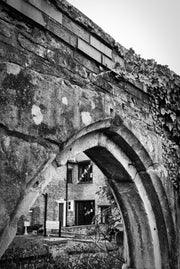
(46, 75)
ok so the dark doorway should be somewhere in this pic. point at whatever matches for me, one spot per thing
(84, 212)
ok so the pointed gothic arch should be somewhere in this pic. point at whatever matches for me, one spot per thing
(137, 189)
(136, 186)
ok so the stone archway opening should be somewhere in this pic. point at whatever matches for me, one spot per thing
(135, 184)
(129, 169)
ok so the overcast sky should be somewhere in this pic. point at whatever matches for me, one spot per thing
(150, 27)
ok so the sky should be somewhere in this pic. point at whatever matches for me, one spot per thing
(150, 27)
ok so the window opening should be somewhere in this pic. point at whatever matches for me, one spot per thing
(85, 172)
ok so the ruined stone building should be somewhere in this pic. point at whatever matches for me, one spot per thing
(67, 87)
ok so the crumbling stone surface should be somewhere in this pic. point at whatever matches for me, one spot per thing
(16, 173)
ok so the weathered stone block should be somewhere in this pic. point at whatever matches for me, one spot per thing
(118, 60)
(92, 66)
(29, 45)
(89, 50)
(27, 10)
(76, 29)
(47, 9)
(100, 46)
(62, 33)
(55, 44)
(107, 62)
(5, 29)
(137, 93)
